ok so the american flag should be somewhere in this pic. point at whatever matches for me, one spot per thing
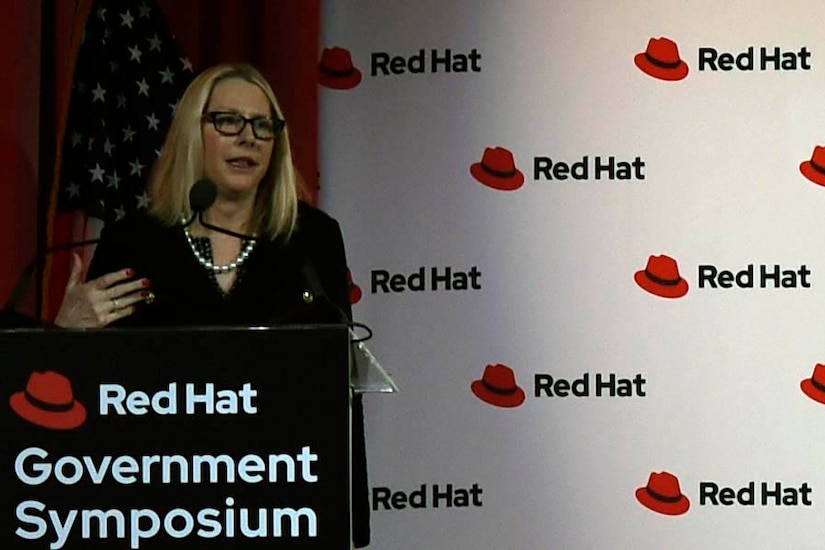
(129, 76)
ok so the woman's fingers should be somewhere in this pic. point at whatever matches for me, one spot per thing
(126, 301)
(125, 305)
(122, 289)
(117, 313)
(102, 301)
(105, 281)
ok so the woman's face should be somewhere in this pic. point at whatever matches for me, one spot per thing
(236, 163)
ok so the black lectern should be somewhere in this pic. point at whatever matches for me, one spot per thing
(176, 438)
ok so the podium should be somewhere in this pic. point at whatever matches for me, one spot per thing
(177, 438)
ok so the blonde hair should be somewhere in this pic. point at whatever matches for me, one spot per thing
(180, 163)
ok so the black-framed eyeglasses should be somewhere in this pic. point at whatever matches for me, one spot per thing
(228, 123)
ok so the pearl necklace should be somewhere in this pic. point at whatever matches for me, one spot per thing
(226, 268)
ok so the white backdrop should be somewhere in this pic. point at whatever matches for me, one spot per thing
(718, 184)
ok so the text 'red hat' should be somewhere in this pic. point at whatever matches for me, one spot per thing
(814, 387)
(814, 169)
(336, 69)
(662, 494)
(498, 387)
(48, 401)
(661, 277)
(497, 169)
(661, 60)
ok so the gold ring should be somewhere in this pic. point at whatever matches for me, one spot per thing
(150, 297)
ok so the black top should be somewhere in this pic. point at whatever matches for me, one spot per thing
(268, 290)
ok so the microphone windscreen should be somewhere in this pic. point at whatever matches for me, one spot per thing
(202, 195)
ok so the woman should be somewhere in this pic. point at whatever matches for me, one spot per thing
(158, 271)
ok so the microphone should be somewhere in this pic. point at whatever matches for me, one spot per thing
(201, 197)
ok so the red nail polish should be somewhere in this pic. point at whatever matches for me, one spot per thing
(130, 272)
(146, 283)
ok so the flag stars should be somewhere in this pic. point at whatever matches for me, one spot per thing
(166, 75)
(73, 190)
(101, 14)
(143, 201)
(143, 87)
(76, 138)
(137, 168)
(121, 101)
(99, 94)
(108, 146)
(126, 19)
(120, 213)
(135, 53)
(145, 10)
(154, 43)
(153, 121)
(97, 173)
(187, 66)
(91, 142)
(113, 66)
(128, 134)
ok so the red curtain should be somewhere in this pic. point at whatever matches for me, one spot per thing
(280, 38)
(20, 55)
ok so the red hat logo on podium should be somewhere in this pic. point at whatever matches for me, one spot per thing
(814, 387)
(662, 494)
(336, 70)
(661, 277)
(661, 60)
(355, 292)
(814, 169)
(48, 401)
(498, 387)
(497, 169)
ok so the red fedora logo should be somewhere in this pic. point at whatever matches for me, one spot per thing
(497, 169)
(661, 60)
(663, 495)
(814, 169)
(814, 387)
(498, 387)
(336, 70)
(661, 277)
(48, 401)
(354, 290)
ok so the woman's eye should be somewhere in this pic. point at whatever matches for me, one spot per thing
(229, 120)
(265, 125)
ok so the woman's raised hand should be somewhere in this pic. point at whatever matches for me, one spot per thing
(102, 301)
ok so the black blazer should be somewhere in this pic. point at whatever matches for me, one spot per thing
(270, 291)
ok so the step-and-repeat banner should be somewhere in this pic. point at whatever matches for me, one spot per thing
(589, 238)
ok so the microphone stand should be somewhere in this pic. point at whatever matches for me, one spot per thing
(9, 315)
(222, 230)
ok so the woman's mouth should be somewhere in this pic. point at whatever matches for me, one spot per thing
(242, 163)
